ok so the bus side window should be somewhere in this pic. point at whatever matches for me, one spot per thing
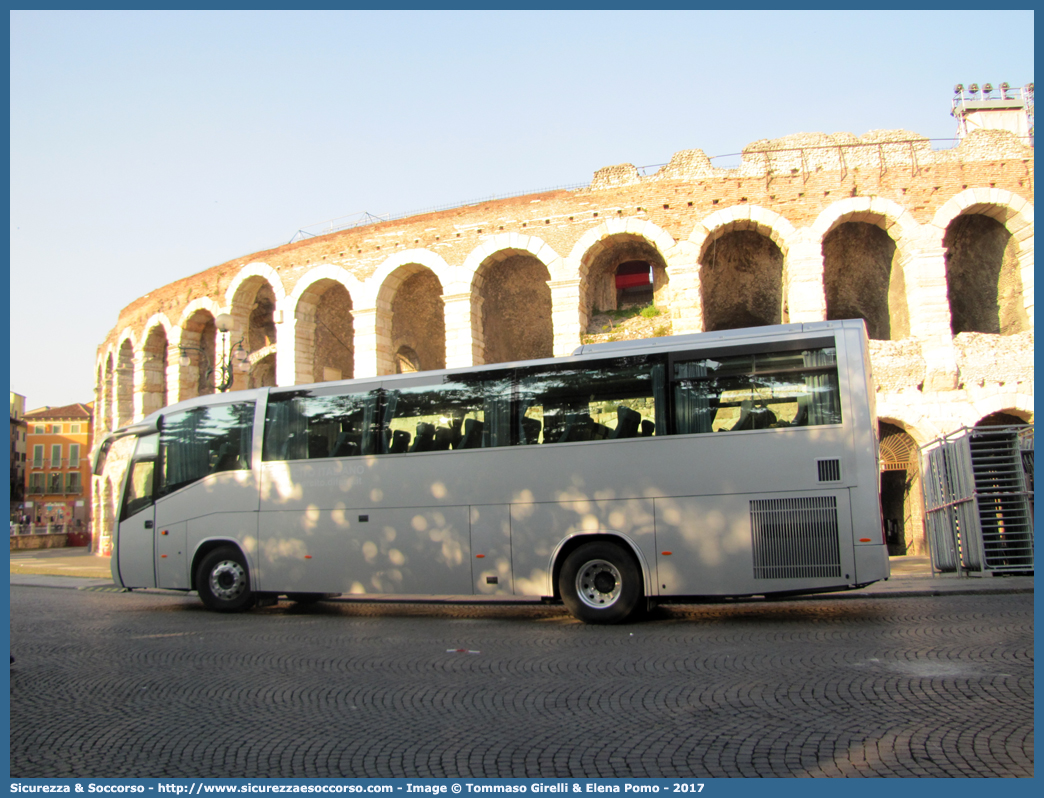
(299, 426)
(612, 400)
(454, 415)
(202, 441)
(140, 480)
(725, 393)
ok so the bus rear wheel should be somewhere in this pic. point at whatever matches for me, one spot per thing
(600, 583)
(223, 581)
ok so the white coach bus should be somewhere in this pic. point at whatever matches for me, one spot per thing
(735, 463)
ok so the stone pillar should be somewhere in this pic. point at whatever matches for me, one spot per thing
(288, 350)
(925, 271)
(568, 319)
(463, 347)
(367, 360)
(803, 274)
(1024, 236)
(683, 276)
(686, 300)
(173, 374)
(139, 379)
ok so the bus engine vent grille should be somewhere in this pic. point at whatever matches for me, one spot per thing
(795, 538)
(829, 470)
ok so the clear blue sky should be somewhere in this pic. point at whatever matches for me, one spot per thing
(148, 146)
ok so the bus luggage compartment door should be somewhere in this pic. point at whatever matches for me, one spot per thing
(491, 550)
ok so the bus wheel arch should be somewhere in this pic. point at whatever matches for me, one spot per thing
(221, 577)
(600, 579)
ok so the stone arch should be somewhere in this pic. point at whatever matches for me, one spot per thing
(902, 506)
(124, 376)
(406, 360)
(987, 235)
(742, 265)
(623, 243)
(1005, 418)
(324, 326)
(253, 298)
(197, 343)
(865, 244)
(511, 301)
(154, 364)
(452, 279)
(1009, 403)
(410, 313)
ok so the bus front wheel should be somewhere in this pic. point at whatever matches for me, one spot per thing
(223, 581)
(600, 583)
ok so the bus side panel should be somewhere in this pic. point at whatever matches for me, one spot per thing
(415, 551)
(305, 551)
(383, 551)
(707, 544)
(221, 505)
(537, 529)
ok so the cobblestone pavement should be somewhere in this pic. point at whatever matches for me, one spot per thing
(113, 684)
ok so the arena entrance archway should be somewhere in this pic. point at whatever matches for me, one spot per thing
(902, 506)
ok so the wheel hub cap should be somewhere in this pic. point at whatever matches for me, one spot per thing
(227, 580)
(598, 584)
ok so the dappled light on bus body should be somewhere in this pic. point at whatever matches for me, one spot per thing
(536, 584)
(370, 551)
(311, 518)
(280, 480)
(439, 490)
(284, 548)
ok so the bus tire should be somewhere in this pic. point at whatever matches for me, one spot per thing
(223, 581)
(600, 583)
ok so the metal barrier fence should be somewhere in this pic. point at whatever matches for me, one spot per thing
(978, 497)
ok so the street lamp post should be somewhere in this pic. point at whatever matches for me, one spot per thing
(230, 358)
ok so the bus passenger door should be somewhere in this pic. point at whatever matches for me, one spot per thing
(135, 564)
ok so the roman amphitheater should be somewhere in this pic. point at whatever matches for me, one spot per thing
(932, 247)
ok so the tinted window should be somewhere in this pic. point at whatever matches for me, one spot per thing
(202, 441)
(616, 399)
(461, 413)
(756, 391)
